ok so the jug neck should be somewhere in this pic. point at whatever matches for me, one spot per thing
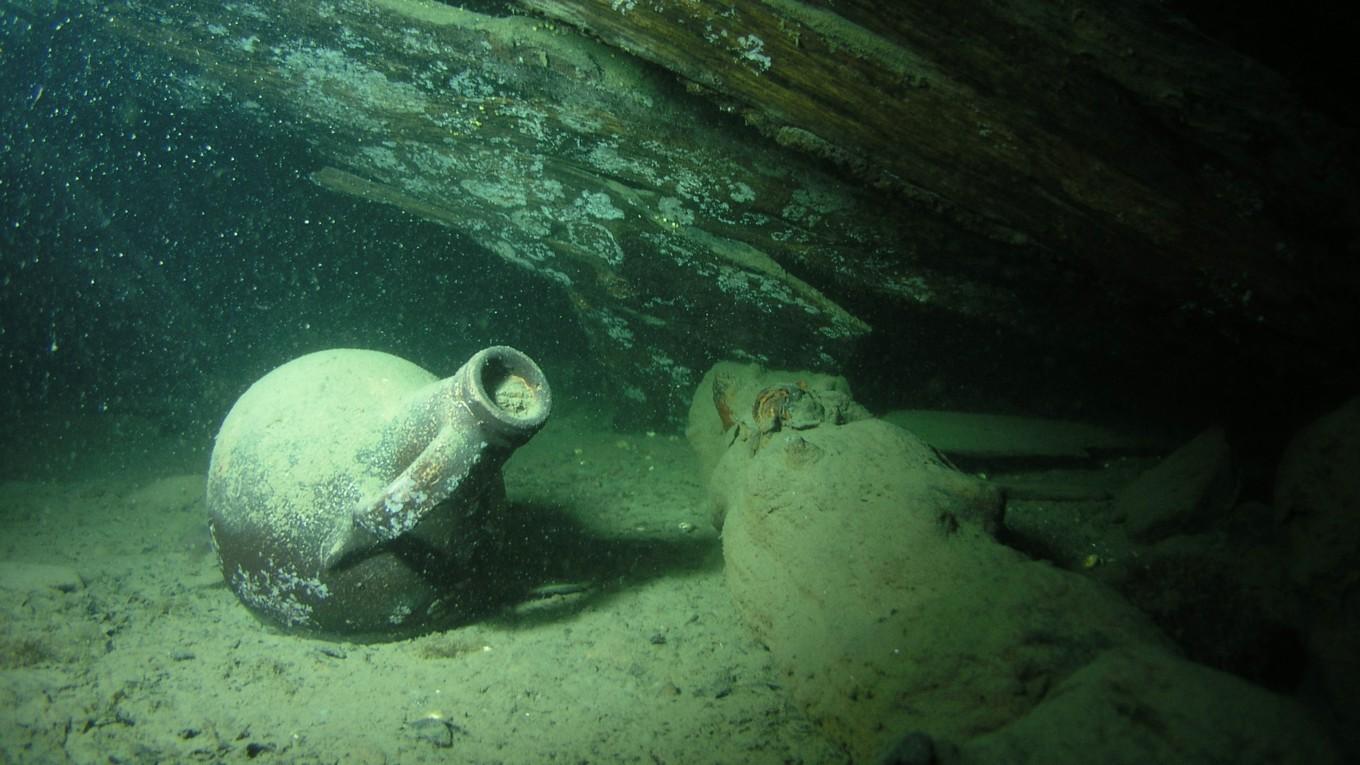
(501, 394)
(461, 432)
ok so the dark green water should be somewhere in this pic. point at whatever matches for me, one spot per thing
(155, 260)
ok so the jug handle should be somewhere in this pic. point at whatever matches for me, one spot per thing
(433, 477)
(478, 430)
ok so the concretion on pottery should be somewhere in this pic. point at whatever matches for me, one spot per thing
(349, 488)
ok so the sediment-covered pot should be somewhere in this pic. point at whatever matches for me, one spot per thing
(349, 489)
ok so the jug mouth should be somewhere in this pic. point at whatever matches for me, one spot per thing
(510, 389)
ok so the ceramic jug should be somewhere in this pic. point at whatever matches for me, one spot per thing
(348, 489)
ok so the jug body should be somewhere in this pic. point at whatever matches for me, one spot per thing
(349, 490)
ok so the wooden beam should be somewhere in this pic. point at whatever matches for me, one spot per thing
(1115, 135)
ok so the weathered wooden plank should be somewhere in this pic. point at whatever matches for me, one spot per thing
(1112, 134)
(678, 240)
(548, 153)
(1023, 182)
(982, 435)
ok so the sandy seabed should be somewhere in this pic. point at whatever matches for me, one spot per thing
(120, 643)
